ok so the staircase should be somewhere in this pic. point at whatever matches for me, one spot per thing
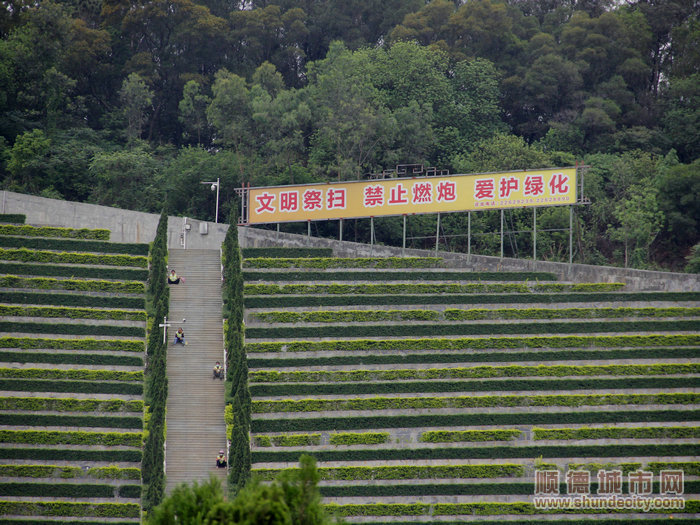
(195, 420)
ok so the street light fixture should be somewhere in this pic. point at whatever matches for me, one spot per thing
(215, 186)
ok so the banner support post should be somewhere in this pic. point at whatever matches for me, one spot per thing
(501, 233)
(437, 234)
(534, 234)
(403, 243)
(571, 234)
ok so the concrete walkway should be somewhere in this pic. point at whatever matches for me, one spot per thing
(195, 421)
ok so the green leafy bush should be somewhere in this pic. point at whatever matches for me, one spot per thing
(71, 313)
(65, 299)
(45, 283)
(616, 433)
(82, 374)
(13, 218)
(427, 330)
(73, 271)
(72, 344)
(45, 256)
(319, 424)
(55, 404)
(59, 508)
(455, 436)
(74, 358)
(359, 438)
(47, 437)
(73, 328)
(288, 440)
(71, 454)
(574, 341)
(339, 262)
(271, 376)
(50, 231)
(77, 387)
(70, 245)
(291, 276)
(67, 472)
(50, 420)
(251, 253)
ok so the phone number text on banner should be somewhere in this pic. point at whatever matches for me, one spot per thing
(549, 187)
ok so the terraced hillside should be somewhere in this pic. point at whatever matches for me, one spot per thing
(429, 394)
(72, 317)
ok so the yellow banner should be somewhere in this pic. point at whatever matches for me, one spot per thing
(344, 200)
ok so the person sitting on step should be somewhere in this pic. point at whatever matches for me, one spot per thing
(174, 279)
(180, 336)
(221, 459)
(218, 371)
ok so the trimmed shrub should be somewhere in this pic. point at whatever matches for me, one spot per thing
(76, 329)
(73, 271)
(359, 438)
(573, 341)
(69, 245)
(13, 218)
(59, 374)
(319, 424)
(616, 433)
(78, 359)
(57, 490)
(65, 454)
(59, 508)
(71, 313)
(55, 471)
(43, 256)
(396, 276)
(50, 231)
(64, 299)
(24, 343)
(48, 437)
(45, 420)
(298, 253)
(45, 283)
(77, 387)
(342, 262)
(55, 404)
(455, 436)
(288, 440)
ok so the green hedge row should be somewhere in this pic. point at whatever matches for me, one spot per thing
(59, 508)
(77, 359)
(359, 473)
(481, 357)
(25, 230)
(482, 452)
(287, 301)
(617, 433)
(56, 404)
(313, 376)
(65, 521)
(460, 489)
(81, 374)
(388, 289)
(416, 403)
(477, 385)
(437, 330)
(318, 424)
(69, 245)
(288, 440)
(480, 314)
(13, 218)
(691, 468)
(456, 436)
(560, 521)
(73, 387)
(342, 262)
(72, 328)
(359, 438)
(25, 343)
(471, 509)
(64, 299)
(71, 454)
(71, 313)
(45, 283)
(301, 276)
(48, 437)
(43, 256)
(66, 472)
(74, 271)
(69, 490)
(574, 341)
(251, 253)
(48, 420)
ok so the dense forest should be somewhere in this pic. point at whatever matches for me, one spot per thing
(132, 103)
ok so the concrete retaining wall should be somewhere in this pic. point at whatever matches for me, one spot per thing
(139, 227)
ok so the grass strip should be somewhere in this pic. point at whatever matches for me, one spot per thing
(469, 419)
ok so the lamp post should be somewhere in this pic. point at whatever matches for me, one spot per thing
(215, 185)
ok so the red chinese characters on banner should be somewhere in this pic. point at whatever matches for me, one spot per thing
(484, 189)
(289, 201)
(507, 185)
(265, 201)
(640, 482)
(671, 482)
(609, 482)
(578, 482)
(398, 195)
(534, 185)
(422, 192)
(312, 200)
(446, 191)
(335, 199)
(558, 184)
(547, 482)
(373, 196)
